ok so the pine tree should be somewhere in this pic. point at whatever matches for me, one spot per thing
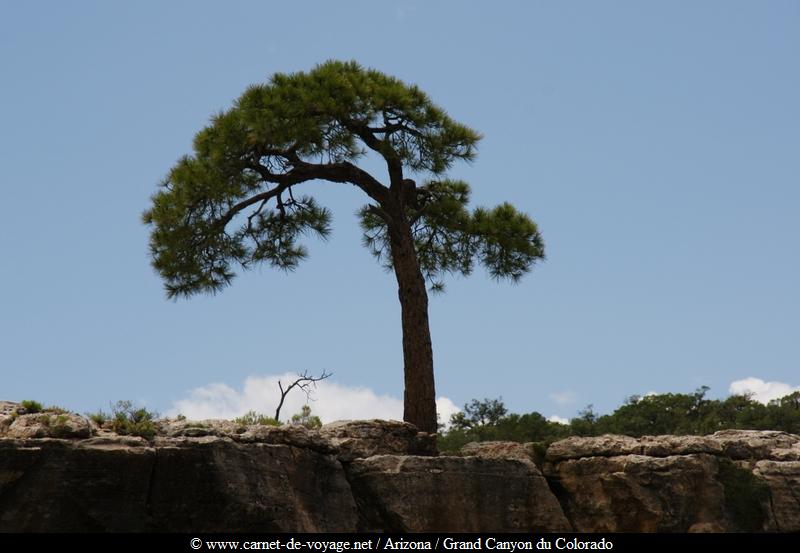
(235, 201)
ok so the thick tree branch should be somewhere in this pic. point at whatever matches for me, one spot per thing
(342, 171)
(393, 161)
(304, 171)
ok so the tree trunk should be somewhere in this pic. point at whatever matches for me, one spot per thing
(419, 406)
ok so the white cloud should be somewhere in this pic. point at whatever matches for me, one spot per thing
(564, 398)
(559, 420)
(332, 401)
(446, 408)
(762, 391)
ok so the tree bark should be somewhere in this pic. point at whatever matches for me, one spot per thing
(419, 405)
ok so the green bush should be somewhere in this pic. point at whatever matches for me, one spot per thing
(99, 418)
(487, 420)
(305, 418)
(31, 406)
(127, 419)
(252, 418)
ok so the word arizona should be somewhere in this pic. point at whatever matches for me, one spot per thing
(400, 543)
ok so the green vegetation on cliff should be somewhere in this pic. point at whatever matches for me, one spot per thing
(681, 414)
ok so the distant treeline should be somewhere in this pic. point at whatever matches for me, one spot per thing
(638, 416)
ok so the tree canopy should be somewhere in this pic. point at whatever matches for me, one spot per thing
(307, 126)
(235, 201)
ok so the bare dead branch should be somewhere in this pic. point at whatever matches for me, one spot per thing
(305, 383)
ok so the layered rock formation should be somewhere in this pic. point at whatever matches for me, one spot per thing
(734, 480)
(60, 472)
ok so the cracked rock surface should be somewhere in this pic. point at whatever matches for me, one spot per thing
(733, 480)
(60, 472)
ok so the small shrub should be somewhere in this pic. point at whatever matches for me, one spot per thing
(55, 409)
(134, 421)
(31, 406)
(252, 418)
(180, 417)
(305, 418)
(99, 418)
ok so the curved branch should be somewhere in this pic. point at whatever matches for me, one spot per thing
(342, 171)
(223, 221)
(303, 171)
(393, 161)
(303, 382)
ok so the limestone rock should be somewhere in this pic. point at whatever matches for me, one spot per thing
(212, 427)
(599, 446)
(498, 450)
(735, 444)
(786, 453)
(109, 440)
(61, 473)
(206, 484)
(783, 479)
(453, 494)
(254, 487)
(296, 435)
(753, 444)
(361, 439)
(733, 480)
(7, 415)
(664, 446)
(49, 425)
(637, 493)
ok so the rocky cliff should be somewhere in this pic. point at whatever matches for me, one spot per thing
(62, 473)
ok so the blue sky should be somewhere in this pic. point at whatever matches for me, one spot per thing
(657, 145)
